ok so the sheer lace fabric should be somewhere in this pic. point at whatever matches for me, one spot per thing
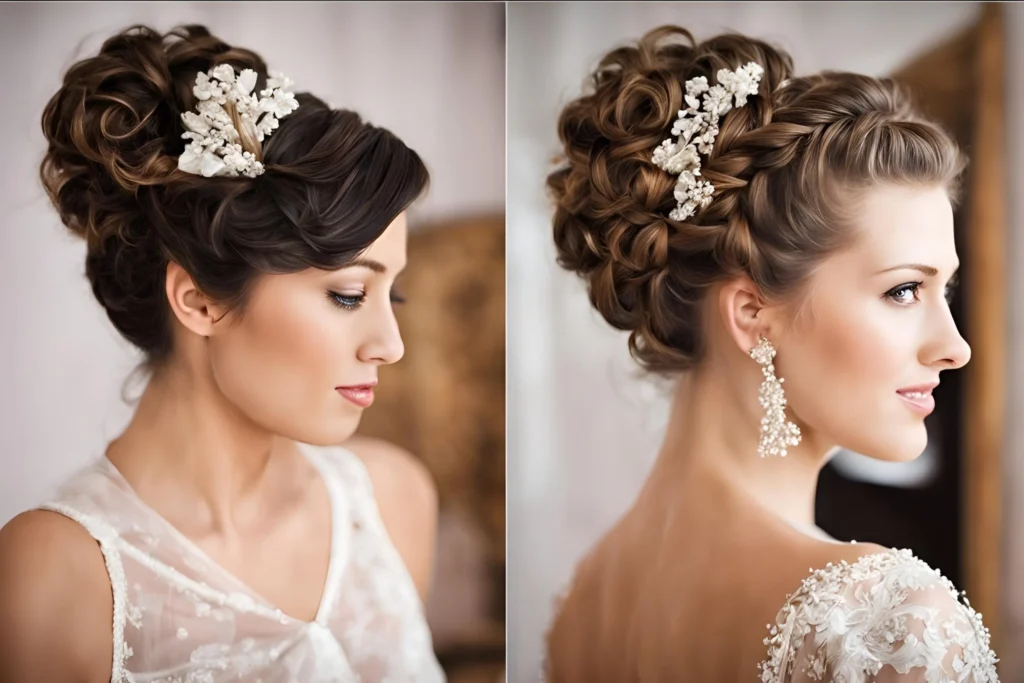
(181, 618)
(887, 618)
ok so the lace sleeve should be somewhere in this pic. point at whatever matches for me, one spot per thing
(887, 618)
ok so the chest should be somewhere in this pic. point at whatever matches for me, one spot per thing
(286, 562)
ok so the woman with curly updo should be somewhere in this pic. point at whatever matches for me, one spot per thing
(782, 247)
(245, 238)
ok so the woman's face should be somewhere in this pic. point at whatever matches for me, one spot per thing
(303, 358)
(874, 331)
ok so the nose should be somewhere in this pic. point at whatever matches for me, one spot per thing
(383, 344)
(949, 350)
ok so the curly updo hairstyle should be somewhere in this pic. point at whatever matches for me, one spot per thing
(332, 183)
(787, 169)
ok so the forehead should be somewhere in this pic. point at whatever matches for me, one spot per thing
(390, 247)
(903, 224)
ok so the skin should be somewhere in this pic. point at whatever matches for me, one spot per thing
(724, 532)
(211, 448)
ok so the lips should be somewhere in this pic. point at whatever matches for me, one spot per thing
(359, 394)
(920, 397)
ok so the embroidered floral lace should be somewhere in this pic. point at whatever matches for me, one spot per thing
(181, 618)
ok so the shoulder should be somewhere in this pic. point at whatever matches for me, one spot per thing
(406, 497)
(54, 597)
(401, 482)
(881, 608)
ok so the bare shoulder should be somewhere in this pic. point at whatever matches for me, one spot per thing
(407, 499)
(55, 596)
(852, 553)
(803, 559)
(397, 475)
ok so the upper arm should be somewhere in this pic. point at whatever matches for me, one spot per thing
(56, 606)
(407, 499)
(935, 632)
(892, 619)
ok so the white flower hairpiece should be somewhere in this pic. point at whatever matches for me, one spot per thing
(696, 131)
(227, 102)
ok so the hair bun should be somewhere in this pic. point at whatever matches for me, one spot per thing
(114, 126)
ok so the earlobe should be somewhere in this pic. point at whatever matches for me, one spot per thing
(190, 306)
(743, 311)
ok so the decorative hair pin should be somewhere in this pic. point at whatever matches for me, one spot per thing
(696, 129)
(228, 131)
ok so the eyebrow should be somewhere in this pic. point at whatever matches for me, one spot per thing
(375, 266)
(930, 271)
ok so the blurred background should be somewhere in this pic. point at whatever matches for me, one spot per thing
(434, 74)
(584, 424)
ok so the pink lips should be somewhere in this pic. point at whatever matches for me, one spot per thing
(920, 397)
(360, 394)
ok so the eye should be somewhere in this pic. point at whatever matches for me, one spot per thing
(396, 297)
(905, 293)
(348, 302)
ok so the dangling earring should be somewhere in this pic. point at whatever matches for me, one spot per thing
(777, 433)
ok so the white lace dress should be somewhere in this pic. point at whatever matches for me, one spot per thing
(886, 618)
(181, 618)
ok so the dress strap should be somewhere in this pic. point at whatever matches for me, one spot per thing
(353, 479)
(108, 539)
(341, 533)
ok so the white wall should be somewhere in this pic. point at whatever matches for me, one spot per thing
(431, 72)
(583, 427)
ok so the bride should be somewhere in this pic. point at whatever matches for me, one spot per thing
(784, 246)
(246, 239)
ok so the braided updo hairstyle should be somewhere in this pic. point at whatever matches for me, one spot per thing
(332, 182)
(787, 168)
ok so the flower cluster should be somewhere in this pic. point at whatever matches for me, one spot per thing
(696, 129)
(215, 147)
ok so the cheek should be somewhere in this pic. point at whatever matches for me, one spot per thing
(280, 363)
(842, 370)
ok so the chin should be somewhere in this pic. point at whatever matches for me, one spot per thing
(329, 432)
(902, 446)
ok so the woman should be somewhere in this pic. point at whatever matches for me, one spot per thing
(784, 246)
(246, 239)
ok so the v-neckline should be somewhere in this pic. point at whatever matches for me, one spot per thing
(335, 565)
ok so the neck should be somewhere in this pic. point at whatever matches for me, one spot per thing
(712, 438)
(188, 448)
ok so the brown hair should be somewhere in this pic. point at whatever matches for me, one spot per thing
(785, 168)
(332, 183)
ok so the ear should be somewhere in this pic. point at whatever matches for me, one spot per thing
(744, 313)
(190, 306)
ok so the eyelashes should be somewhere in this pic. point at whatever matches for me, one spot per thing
(899, 294)
(350, 302)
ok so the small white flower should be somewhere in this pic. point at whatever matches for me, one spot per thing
(682, 159)
(695, 86)
(281, 104)
(278, 80)
(267, 125)
(224, 73)
(246, 82)
(200, 162)
(203, 89)
(195, 123)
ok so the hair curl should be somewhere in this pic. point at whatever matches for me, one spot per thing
(332, 183)
(784, 168)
